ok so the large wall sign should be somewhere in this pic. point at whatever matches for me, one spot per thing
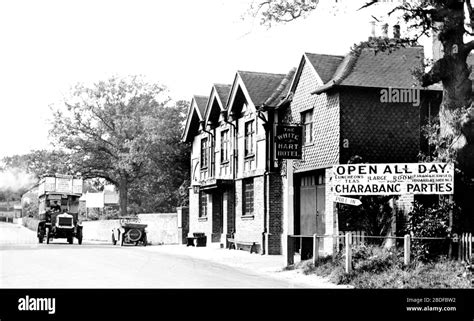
(288, 141)
(393, 179)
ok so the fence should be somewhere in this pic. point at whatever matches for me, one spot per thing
(355, 238)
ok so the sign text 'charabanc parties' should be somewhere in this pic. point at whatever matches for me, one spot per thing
(393, 179)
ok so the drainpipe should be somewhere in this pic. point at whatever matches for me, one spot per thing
(267, 127)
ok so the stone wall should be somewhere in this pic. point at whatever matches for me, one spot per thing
(162, 228)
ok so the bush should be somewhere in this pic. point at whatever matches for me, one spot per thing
(377, 267)
(430, 221)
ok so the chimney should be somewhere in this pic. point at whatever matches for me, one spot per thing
(372, 24)
(396, 31)
(385, 30)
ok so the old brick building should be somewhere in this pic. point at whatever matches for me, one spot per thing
(239, 186)
(342, 106)
(235, 188)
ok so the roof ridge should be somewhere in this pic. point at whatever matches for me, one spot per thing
(260, 72)
(320, 54)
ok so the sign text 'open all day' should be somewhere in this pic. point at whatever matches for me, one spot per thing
(393, 179)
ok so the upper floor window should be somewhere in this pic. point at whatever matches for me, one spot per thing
(204, 153)
(224, 146)
(249, 133)
(307, 120)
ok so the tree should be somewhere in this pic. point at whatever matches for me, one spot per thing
(117, 129)
(446, 20)
(40, 163)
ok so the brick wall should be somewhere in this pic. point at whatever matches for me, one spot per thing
(196, 224)
(275, 223)
(250, 229)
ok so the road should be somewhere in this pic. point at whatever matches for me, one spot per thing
(26, 264)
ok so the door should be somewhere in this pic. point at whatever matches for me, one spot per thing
(312, 205)
(308, 206)
(321, 213)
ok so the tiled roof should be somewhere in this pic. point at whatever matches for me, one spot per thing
(385, 69)
(281, 92)
(223, 92)
(260, 85)
(201, 102)
(325, 65)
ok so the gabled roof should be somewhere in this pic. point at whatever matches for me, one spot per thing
(325, 65)
(195, 115)
(219, 95)
(370, 69)
(385, 69)
(223, 91)
(260, 85)
(201, 102)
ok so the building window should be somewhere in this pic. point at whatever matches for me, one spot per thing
(202, 204)
(247, 196)
(204, 153)
(307, 120)
(249, 133)
(224, 146)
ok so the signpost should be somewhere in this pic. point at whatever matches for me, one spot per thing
(393, 179)
(288, 141)
(347, 200)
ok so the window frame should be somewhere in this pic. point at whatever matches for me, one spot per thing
(225, 144)
(306, 124)
(249, 138)
(204, 153)
(203, 206)
(248, 202)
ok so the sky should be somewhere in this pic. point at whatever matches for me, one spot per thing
(47, 46)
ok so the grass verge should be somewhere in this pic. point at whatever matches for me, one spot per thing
(375, 267)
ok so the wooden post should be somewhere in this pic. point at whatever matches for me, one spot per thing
(348, 252)
(406, 252)
(290, 252)
(315, 249)
(459, 240)
(470, 248)
(450, 249)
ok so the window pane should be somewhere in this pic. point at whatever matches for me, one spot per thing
(204, 153)
(224, 145)
(307, 119)
(248, 197)
(202, 204)
(249, 131)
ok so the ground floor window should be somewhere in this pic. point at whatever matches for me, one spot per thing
(247, 196)
(202, 204)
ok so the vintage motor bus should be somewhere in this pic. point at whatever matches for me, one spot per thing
(59, 208)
